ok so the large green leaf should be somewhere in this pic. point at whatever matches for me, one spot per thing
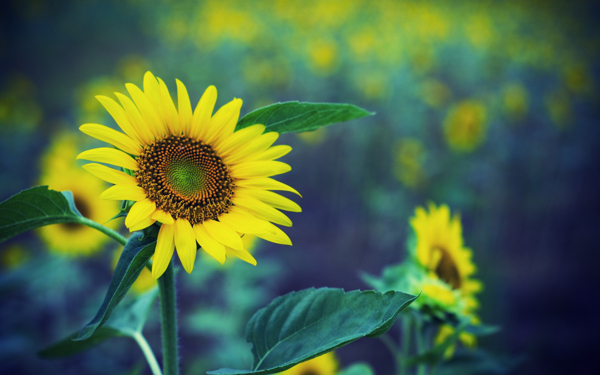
(34, 208)
(68, 346)
(135, 256)
(126, 320)
(303, 325)
(300, 117)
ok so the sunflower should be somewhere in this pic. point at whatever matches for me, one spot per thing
(326, 364)
(465, 126)
(191, 172)
(440, 251)
(59, 173)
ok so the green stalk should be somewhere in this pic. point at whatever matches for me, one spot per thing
(389, 343)
(406, 325)
(168, 321)
(109, 232)
(141, 340)
(420, 344)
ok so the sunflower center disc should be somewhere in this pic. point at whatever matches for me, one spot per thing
(446, 269)
(185, 178)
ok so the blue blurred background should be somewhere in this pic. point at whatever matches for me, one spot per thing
(490, 107)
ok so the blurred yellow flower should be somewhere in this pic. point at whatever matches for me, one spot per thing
(408, 162)
(326, 364)
(314, 137)
(13, 257)
(435, 93)
(131, 67)
(465, 126)
(577, 77)
(60, 173)
(323, 55)
(19, 110)
(558, 105)
(515, 100)
(440, 251)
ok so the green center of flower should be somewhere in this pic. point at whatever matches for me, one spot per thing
(185, 178)
(446, 269)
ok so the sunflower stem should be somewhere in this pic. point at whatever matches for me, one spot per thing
(391, 345)
(106, 230)
(420, 343)
(405, 334)
(141, 340)
(168, 320)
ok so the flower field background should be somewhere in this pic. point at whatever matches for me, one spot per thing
(488, 107)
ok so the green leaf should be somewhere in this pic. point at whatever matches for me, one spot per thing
(135, 256)
(67, 346)
(358, 369)
(34, 208)
(300, 117)
(303, 325)
(126, 320)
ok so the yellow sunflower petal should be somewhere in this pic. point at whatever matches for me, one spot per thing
(222, 124)
(115, 138)
(276, 236)
(239, 139)
(124, 193)
(244, 224)
(165, 246)
(168, 108)
(270, 233)
(109, 156)
(270, 198)
(140, 211)
(185, 243)
(110, 175)
(142, 224)
(243, 254)
(262, 210)
(266, 184)
(203, 112)
(212, 247)
(254, 148)
(253, 169)
(120, 115)
(136, 119)
(224, 234)
(273, 153)
(152, 90)
(143, 103)
(163, 217)
(185, 108)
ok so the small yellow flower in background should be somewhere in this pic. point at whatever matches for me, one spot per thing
(558, 105)
(465, 126)
(323, 56)
(479, 30)
(577, 77)
(19, 110)
(435, 93)
(13, 257)
(326, 364)
(441, 253)
(315, 137)
(132, 67)
(192, 172)
(408, 165)
(88, 108)
(440, 250)
(515, 100)
(59, 173)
